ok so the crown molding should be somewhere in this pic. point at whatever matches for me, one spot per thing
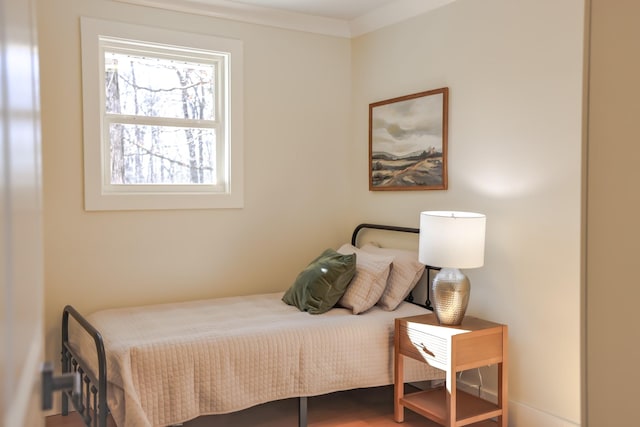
(392, 13)
(253, 15)
(389, 14)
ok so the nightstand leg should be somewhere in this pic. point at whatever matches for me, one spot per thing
(502, 420)
(398, 388)
(452, 387)
(503, 380)
(451, 397)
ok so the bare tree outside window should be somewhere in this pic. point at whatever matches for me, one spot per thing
(161, 115)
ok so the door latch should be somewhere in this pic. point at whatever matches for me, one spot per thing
(50, 383)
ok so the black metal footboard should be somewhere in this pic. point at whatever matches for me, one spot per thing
(91, 403)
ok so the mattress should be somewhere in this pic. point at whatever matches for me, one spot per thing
(170, 363)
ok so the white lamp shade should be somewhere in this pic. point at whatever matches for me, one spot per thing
(452, 239)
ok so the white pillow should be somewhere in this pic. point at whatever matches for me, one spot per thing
(404, 276)
(369, 282)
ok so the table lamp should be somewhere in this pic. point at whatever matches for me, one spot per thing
(451, 240)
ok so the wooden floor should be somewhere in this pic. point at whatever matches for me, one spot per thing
(354, 408)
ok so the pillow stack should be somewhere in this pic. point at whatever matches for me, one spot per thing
(355, 278)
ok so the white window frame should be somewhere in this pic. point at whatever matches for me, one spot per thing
(100, 194)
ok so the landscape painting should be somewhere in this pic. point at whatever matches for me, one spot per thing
(408, 142)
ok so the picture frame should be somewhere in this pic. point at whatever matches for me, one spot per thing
(408, 142)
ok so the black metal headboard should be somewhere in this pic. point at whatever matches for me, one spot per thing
(428, 268)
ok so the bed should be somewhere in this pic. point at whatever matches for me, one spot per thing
(166, 364)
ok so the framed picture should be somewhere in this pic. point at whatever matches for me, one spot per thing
(408, 142)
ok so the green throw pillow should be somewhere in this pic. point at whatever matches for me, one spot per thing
(319, 286)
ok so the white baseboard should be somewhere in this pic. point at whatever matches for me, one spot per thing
(520, 414)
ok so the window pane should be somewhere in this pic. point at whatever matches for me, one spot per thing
(142, 154)
(158, 87)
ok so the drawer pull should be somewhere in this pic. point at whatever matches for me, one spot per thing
(426, 350)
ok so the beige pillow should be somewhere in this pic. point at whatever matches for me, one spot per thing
(404, 276)
(369, 282)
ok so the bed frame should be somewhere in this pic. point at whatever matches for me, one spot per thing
(91, 402)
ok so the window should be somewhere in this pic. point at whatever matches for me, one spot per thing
(162, 118)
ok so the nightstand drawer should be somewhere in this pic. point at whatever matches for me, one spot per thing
(423, 346)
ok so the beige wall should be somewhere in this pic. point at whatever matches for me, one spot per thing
(515, 154)
(297, 127)
(613, 198)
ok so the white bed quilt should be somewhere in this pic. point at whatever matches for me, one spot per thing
(170, 363)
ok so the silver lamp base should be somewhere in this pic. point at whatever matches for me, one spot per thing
(451, 291)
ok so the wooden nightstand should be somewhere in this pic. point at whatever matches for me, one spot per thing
(473, 344)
